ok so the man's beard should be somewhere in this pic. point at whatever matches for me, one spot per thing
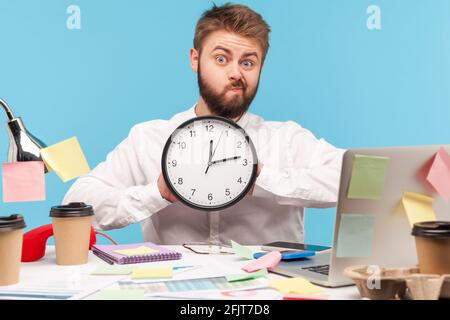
(219, 105)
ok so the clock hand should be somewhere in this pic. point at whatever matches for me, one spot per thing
(226, 159)
(210, 156)
(214, 152)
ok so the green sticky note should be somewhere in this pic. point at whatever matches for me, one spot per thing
(355, 235)
(112, 270)
(120, 294)
(247, 276)
(368, 175)
(242, 251)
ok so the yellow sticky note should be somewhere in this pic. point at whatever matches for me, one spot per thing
(149, 273)
(418, 207)
(139, 251)
(295, 286)
(66, 158)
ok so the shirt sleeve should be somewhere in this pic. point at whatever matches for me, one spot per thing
(306, 171)
(119, 190)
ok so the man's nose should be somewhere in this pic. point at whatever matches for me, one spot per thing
(234, 72)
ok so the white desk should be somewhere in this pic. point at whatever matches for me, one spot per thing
(45, 271)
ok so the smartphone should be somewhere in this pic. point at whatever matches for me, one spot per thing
(293, 246)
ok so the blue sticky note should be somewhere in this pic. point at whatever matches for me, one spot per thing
(355, 235)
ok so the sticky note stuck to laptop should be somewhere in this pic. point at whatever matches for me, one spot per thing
(151, 273)
(67, 159)
(368, 176)
(241, 251)
(355, 235)
(23, 181)
(138, 251)
(439, 174)
(418, 207)
(295, 286)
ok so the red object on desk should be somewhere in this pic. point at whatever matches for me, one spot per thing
(34, 242)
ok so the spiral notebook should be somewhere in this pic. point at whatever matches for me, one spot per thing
(108, 253)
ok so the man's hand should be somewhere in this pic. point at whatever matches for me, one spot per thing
(260, 166)
(164, 190)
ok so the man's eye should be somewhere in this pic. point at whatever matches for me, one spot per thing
(247, 63)
(221, 59)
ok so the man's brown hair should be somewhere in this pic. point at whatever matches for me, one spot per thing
(235, 18)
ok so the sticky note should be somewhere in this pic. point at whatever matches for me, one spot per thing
(120, 294)
(112, 270)
(295, 286)
(439, 174)
(418, 207)
(149, 273)
(241, 251)
(355, 235)
(368, 175)
(138, 251)
(268, 260)
(66, 158)
(246, 276)
(23, 181)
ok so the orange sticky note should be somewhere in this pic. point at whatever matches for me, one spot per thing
(23, 181)
(439, 174)
(268, 260)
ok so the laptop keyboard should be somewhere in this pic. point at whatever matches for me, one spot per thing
(324, 269)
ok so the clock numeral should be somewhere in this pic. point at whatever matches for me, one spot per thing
(174, 163)
(210, 196)
(239, 144)
(180, 180)
(182, 145)
(227, 192)
(193, 191)
(193, 134)
(245, 162)
(239, 180)
(209, 128)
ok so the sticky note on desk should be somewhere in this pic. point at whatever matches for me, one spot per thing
(242, 251)
(151, 273)
(295, 286)
(368, 176)
(23, 181)
(268, 260)
(355, 235)
(138, 251)
(67, 159)
(120, 294)
(112, 270)
(439, 174)
(246, 276)
(418, 207)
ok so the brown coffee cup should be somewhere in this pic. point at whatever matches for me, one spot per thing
(433, 246)
(71, 231)
(11, 238)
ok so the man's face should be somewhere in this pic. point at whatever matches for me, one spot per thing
(228, 73)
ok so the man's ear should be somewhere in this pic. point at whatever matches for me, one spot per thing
(194, 58)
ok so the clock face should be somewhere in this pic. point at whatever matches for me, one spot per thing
(209, 163)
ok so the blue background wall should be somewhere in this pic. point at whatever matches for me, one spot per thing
(325, 70)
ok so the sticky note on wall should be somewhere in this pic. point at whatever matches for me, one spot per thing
(355, 235)
(23, 181)
(368, 176)
(66, 158)
(439, 174)
(418, 207)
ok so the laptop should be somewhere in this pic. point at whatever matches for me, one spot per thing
(392, 243)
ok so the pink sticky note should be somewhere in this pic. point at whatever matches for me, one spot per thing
(439, 174)
(268, 260)
(23, 181)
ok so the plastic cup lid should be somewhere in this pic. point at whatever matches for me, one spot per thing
(432, 229)
(72, 210)
(13, 222)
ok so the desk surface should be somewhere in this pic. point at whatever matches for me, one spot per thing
(45, 271)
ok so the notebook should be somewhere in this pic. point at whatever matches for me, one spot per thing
(108, 254)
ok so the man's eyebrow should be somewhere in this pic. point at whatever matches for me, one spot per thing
(228, 51)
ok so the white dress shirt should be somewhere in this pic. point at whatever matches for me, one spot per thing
(299, 171)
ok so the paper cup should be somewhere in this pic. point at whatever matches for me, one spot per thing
(11, 238)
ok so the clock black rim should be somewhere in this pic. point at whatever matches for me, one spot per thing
(209, 208)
